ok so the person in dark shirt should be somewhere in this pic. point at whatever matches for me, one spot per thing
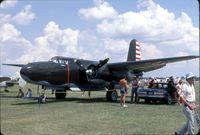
(172, 88)
(20, 94)
(134, 88)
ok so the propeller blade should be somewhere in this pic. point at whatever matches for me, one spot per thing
(79, 64)
(102, 62)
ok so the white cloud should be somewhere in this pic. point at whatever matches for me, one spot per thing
(54, 41)
(150, 22)
(154, 24)
(102, 10)
(25, 16)
(8, 4)
(149, 51)
(8, 32)
(13, 44)
(115, 46)
(5, 18)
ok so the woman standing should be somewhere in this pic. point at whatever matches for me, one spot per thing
(123, 92)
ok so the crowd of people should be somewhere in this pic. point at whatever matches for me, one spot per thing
(28, 94)
(174, 86)
(21, 94)
(181, 91)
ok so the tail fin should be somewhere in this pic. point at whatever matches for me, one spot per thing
(134, 53)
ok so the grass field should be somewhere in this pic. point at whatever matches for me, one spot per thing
(79, 115)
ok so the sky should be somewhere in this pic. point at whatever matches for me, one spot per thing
(36, 30)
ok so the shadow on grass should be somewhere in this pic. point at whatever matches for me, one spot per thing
(71, 99)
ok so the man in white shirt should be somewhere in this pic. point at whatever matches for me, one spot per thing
(187, 96)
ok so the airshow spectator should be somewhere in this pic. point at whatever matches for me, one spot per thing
(20, 93)
(179, 88)
(188, 98)
(134, 88)
(151, 83)
(172, 88)
(42, 98)
(29, 93)
(123, 92)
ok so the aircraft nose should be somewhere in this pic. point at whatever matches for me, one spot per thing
(26, 70)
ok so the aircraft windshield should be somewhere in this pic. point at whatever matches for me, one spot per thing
(59, 60)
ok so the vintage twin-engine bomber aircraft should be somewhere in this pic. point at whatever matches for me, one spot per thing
(63, 73)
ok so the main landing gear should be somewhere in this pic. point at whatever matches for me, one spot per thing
(112, 95)
(60, 94)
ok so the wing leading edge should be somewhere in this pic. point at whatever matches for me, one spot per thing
(147, 65)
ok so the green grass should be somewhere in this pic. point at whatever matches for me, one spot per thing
(80, 115)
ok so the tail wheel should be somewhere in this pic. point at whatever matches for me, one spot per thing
(60, 94)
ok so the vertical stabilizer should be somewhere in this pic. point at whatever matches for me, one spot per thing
(134, 53)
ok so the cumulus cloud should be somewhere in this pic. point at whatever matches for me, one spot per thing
(102, 10)
(5, 18)
(115, 45)
(149, 51)
(25, 16)
(155, 25)
(12, 40)
(54, 41)
(8, 4)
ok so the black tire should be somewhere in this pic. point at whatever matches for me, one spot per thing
(147, 101)
(60, 94)
(112, 96)
(108, 95)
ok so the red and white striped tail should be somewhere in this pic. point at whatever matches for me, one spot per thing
(134, 52)
(138, 51)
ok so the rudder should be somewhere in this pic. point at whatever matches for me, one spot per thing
(134, 53)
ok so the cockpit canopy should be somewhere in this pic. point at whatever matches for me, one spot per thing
(58, 59)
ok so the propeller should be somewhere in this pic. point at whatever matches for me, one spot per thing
(91, 70)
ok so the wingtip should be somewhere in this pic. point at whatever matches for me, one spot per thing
(15, 65)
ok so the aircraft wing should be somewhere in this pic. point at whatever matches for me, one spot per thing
(147, 65)
(16, 65)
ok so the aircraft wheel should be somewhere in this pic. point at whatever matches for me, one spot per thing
(112, 95)
(60, 94)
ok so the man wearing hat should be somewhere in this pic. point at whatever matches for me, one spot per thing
(187, 96)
